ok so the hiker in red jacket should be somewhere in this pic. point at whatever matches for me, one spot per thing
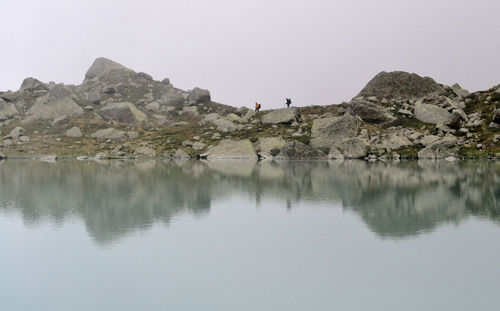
(257, 107)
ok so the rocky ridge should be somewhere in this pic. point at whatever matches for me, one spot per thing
(119, 113)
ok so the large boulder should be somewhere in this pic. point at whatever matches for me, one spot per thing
(102, 66)
(298, 150)
(327, 132)
(354, 148)
(172, 98)
(58, 102)
(110, 133)
(285, 115)
(269, 147)
(225, 125)
(230, 149)
(33, 84)
(145, 151)
(199, 96)
(441, 149)
(396, 142)
(370, 112)
(457, 89)
(431, 114)
(399, 84)
(17, 133)
(7, 110)
(74, 132)
(123, 112)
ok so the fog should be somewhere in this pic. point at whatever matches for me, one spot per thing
(316, 51)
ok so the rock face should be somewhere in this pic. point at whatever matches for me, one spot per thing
(354, 148)
(101, 66)
(441, 149)
(229, 149)
(199, 96)
(399, 84)
(269, 147)
(58, 102)
(7, 111)
(110, 133)
(123, 112)
(74, 132)
(285, 115)
(298, 150)
(431, 114)
(330, 131)
(370, 112)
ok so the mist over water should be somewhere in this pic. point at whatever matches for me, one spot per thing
(249, 235)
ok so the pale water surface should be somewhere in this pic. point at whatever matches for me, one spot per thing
(249, 236)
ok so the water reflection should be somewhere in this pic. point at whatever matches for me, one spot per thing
(115, 198)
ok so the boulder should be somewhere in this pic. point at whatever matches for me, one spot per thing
(7, 110)
(285, 115)
(441, 149)
(457, 89)
(229, 149)
(327, 132)
(110, 133)
(102, 66)
(58, 102)
(123, 112)
(269, 147)
(180, 154)
(211, 117)
(17, 132)
(399, 84)
(94, 97)
(74, 132)
(32, 84)
(354, 148)
(298, 150)
(429, 140)
(431, 114)
(198, 146)
(396, 142)
(2, 156)
(172, 98)
(199, 96)
(496, 115)
(335, 154)
(49, 158)
(145, 151)
(370, 112)
(225, 125)
(154, 106)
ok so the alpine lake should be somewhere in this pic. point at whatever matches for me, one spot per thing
(239, 235)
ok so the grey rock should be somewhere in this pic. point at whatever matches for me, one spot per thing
(132, 134)
(225, 126)
(199, 146)
(457, 89)
(269, 147)
(354, 148)
(327, 132)
(110, 133)
(285, 115)
(431, 114)
(298, 150)
(396, 142)
(335, 154)
(145, 151)
(199, 96)
(17, 132)
(229, 149)
(123, 112)
(398, 84)
(94, 97)
(102, 66)
(180, 154)
(370, 112)
(154, 106)
(7, 110)
(33, 84)
(429, 140)
(172, 98)
(49, 158)
(441, 149)
(496, 115)
(74, 132)
(58, 102)
(211, 117)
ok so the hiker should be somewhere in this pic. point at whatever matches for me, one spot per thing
(288, 102)
(257, 107)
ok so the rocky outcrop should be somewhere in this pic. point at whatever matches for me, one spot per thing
(432, 114)
(330, 131)
(33, 84)
(110, 133)
(298, 150)
(441, 149)
(123, 112)
(269, 147)
(7, 111)
(281, 116)
(102, 66)
(230, 149)
(199, 96)
(399, 84)
(370, 112)
(58, 102)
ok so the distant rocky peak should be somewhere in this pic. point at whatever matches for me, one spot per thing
(103, 65)
(400, 84)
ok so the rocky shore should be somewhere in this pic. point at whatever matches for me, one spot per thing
(119, 113)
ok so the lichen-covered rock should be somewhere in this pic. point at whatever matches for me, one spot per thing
(298, 150)
(441, 149)
(110, 133)
(74, 132)
(431, 114)
(327, 132)
(123, 112)
(285, 115)
(399, 84)
(230, 149)
(269, 147)
(354, 148)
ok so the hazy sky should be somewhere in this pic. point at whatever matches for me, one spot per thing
(314, 51)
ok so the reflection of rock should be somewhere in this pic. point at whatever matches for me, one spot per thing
(115, 197)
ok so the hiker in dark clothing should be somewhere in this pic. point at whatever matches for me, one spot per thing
(288, 102)
(257, 107)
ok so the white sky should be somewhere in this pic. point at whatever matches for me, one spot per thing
(314, 51)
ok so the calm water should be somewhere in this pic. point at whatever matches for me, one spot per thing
(246, 236)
